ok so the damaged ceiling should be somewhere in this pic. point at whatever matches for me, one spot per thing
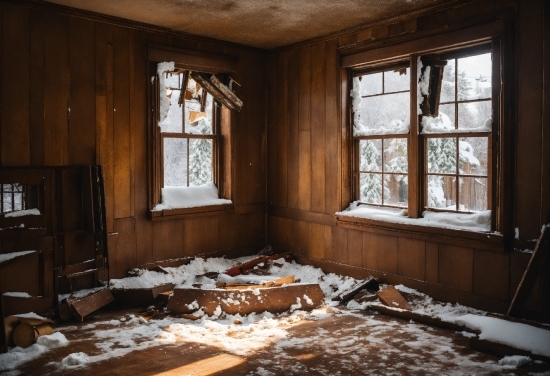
(260, 23)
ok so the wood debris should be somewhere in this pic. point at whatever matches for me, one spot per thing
(392, 298)
(369, 283)
(239, 286)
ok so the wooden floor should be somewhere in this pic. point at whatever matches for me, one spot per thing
(342, 344)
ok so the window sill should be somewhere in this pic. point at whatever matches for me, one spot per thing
(466, 238)
(199, 211)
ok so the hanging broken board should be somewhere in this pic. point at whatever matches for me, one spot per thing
(218, 90)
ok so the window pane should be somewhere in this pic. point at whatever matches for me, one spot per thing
(386, 114)
(197, 121)
(449, 111)
(442, 192)
(200, 161)
(370, 155)
(173, 121)
(371, 84)
(371, 188)
(448, 83)
(473, 159)
(395, 81)
(395, 189)
(474, 77)
(473, 194)
(442, 155)
(475, 115)
(175, 162)
(7, 204)
(395, 155)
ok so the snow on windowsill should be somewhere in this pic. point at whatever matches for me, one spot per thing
(477, 222)
(190, 197)
(22, 213)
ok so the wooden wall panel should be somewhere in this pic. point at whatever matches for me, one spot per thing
(125, 256)
(317, 241)
(255, 128)
(36, 95)
(301, 243)
(529, 130)
(282, 130)
(332, 140)
(271, 74)
(82, 136)
(15, 148)
(168, 239)
(456, 267)
(318, 118)
(380, 252)
(411, 258)
(122, 161)
(293, 128)
(491, 274)
(432, 262)
(56, 90)
(144, 229)
(339, 245)
(355, 248)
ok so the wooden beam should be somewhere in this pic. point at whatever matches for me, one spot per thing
(534, 268)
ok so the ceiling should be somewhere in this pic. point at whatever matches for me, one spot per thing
(257, 23)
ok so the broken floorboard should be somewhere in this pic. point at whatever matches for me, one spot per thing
(271, 299)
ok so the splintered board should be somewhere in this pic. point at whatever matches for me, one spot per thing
(272, 299)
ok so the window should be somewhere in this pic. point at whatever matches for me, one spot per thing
(13, 198)
(190, 135)
(425, 142)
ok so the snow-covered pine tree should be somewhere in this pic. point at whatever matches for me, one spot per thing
(441, 159)
(371, 184)
(200, 159)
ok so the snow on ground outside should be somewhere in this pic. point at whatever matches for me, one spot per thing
(265, 331)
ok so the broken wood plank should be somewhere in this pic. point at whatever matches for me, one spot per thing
(236, 270)
(271, 299)
(365, 296)
(141, 297)
(214, 91)
(533, 270)
(226, 91)
(419, 318)
(164, 296)
(238, 286)
(369, 283)
(82, 307)
(392, 298)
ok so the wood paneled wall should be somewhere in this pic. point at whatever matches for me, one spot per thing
(74, 91)
(308, 181)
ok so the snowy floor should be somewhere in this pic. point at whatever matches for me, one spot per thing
(327, 341)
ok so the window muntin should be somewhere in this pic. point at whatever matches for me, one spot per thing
(187, 132)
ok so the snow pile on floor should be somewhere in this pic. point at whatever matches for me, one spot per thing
(518, 335)
(18, 355)
(515, 361)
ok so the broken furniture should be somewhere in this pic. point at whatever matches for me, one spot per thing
(53, 237)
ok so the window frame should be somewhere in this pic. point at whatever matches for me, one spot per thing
(223, 120)
(496, 33)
